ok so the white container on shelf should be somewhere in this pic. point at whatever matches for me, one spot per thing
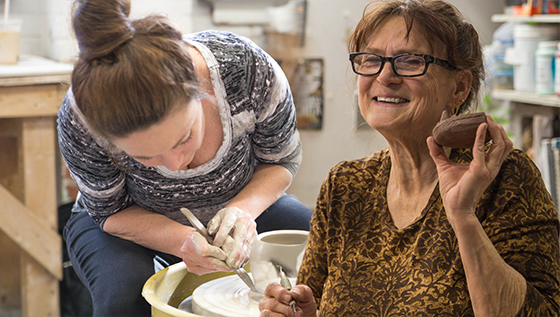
(557, 72)
(501, 72)
(545, 67)
(522, 55)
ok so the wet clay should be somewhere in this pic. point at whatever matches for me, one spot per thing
(459, 131)
(228, 297)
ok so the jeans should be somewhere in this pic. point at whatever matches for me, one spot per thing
(115, 270)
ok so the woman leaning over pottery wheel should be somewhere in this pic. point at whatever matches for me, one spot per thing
(156, 121)
(418, 229)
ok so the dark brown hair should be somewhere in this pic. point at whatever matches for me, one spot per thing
(131, 74)
(438, 20)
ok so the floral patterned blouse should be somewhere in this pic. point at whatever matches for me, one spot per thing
(359, 264)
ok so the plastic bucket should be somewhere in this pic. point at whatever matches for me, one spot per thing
(159, 289)
(168, 288)
(522, 54)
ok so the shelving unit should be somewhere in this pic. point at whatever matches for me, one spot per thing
(526, 104)
(531, 109)
(542, 18)
(526, 97)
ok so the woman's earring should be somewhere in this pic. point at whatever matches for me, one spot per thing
(456, 109)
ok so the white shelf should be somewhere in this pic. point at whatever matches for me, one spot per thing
(544, 18)
(526, 104)
(526, 97)
(522, 96)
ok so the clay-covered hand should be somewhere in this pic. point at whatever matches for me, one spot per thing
(201, 257)
(462, 185)
(276, 301)
(234, 231)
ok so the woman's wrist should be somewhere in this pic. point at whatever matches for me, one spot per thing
(462, 221)
(181, 241)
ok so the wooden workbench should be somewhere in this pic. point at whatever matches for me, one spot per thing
(30, 247)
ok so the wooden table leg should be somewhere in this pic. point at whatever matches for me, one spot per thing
(28, 191)
(40, 291)
(10, 286)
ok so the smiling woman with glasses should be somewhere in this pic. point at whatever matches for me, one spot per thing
(416, 229)
(404, 65)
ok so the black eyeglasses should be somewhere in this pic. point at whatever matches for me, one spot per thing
(405, 65)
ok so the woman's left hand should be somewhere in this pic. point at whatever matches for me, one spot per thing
(462, 185)
(243, 228)
(276, 301)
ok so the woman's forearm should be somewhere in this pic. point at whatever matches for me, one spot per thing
(158, 232)
(495, 288)
(148, 229)
(268, 183)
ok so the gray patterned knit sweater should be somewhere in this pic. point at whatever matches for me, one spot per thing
(259, 123)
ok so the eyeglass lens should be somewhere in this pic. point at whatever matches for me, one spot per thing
(404, 65)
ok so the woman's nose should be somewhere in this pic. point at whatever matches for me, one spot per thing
(172, 160)
(387, 75)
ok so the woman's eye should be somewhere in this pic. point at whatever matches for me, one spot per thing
(187, 140)
(371, 62)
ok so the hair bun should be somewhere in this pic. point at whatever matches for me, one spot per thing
(101, 26)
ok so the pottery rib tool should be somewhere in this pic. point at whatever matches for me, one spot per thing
(204, 232)
(285, 282)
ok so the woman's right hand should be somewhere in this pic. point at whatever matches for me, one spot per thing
(202, 257)
(276, 301)
(234, 232)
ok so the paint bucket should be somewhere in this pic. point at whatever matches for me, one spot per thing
(522, 54)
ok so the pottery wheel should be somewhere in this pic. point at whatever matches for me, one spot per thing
(226, 297)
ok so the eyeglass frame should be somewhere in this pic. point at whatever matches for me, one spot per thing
(428, 59)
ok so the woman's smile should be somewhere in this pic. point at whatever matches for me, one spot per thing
(391, 100)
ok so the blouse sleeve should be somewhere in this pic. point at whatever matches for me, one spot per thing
(314, 267)
(523, 225)
(101, 184)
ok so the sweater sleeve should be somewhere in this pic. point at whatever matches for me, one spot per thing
(276, 139)
(258, 95)
(101, 184)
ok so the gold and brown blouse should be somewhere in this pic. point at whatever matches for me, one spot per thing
(359, 264)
